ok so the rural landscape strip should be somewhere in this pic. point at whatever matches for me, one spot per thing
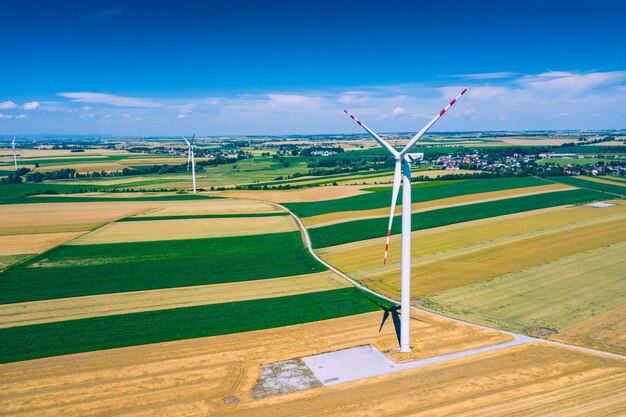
(78, 270)
(62, 309)
(592, 278)
(366, 229)
(203, 216)
(345, 216)
(426, 191)
(307, 240)
(109, 332)
(593, 185)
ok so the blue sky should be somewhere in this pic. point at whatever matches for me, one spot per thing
(288, 67)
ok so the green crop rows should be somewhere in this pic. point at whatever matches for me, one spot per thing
(366, 229)
(70, 271)
(598, 186)
(421, 192)
(108, 332)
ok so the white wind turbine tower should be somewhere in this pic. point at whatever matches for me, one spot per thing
(403, 163)
(14, 154)
(190, 157)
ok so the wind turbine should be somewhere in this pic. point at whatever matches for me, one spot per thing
(14, 154)
(403, 163)
(190, 157)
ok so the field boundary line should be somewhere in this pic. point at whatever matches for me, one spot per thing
(522, 338)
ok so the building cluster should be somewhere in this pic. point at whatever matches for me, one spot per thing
(518, 162)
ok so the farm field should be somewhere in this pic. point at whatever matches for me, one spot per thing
(364, 258)
(558, 294)
(614, 189)
(194, 376)
(201, 372)
(604, 332)
(339, 217)
(346, 232)
(188, 228)
(479, 262)
(108, 332)
(603, 181)
(47, 311)
(427, 191)
(78, 270)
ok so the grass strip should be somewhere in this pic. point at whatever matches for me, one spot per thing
(592, 185)
(98, 333)
(203, 216)
(427, 191)
(77, 270)
(370, 228)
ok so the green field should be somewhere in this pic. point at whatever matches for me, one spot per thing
(84, 335)
(76, 270)
(598, 186)
(337, 234)
(557, 295)
(426, 191)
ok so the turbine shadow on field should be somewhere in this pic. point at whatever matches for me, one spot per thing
(395, 317)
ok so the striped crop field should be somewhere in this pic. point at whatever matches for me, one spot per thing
(380, 197)
(78, 270)
(366, 229)
(557, 295)
(363, 259)
(141, 270)
(107, 332)
(190, 228)
(613, 190)
(343, 216)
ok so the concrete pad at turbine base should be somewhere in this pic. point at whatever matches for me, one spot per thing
(350, 364)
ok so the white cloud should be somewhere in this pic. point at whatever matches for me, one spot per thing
(87, 108)
(21, 116)
(5, 116)
(31, 105)
(398, 111)
(181, 116)
(287, 100)
(126, 115)
(112, 100)
(107, 116)
(7, 105)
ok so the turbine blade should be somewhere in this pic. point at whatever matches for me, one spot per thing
(397, 175)
(192, 138)
(380, 140)
(421, 133)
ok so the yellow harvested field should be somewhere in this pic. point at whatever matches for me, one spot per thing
(35, 312)
(10, 260)
(62, 217)
(343, 216)
(527, 380)
(217, 206)
(19, 219)
(489, 262)
(33, 243)
(150, 230)
(606, 332)
(454, 255)
(301, 195)
(602, 181)
(192, 377)
(521, 141)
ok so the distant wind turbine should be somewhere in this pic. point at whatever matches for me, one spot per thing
(403, 163)
(191, 158)
(14, 154)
